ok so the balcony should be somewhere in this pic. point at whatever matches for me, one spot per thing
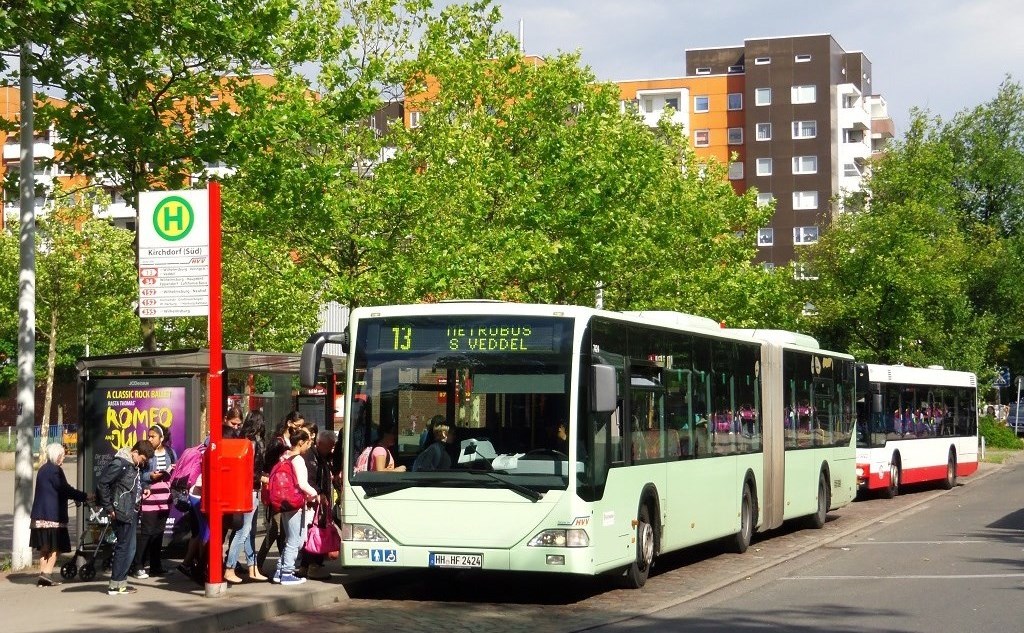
(883, 128)
(12, 151)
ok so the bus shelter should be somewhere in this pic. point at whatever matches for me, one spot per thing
(121, 396)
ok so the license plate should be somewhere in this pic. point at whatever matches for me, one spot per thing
(456, 560)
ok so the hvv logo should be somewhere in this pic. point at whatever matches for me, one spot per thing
(384, 555)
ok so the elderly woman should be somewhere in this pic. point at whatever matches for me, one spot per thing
(50, 513)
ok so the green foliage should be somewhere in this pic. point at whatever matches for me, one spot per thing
(525, 182)
(997, 434)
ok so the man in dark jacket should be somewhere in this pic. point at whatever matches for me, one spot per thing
(120, 493)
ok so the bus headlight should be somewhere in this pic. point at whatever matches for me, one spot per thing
(361, 532)
(560, 538)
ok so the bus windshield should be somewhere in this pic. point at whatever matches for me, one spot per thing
(451, 396)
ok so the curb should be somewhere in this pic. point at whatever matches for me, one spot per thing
(262, 608)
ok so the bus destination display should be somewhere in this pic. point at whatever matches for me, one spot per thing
(495, 338)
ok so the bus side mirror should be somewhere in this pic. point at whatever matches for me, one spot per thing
(603, 389)
(312, 353)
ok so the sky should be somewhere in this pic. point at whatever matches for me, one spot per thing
(941, 55)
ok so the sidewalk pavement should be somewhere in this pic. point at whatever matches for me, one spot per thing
(169, 604)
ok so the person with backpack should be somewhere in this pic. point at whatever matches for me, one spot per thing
(185, 483)
(377, 456)
(278, 446)
(120, 491)
(290, 493)
(156, 504)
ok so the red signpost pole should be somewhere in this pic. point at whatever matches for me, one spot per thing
(215, 405)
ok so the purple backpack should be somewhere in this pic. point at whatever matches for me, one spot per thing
(186, 471)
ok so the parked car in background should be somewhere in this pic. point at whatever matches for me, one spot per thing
(1014, 418)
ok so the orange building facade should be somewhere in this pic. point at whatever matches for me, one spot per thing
(710, 109)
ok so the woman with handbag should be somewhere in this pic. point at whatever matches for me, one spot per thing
(318, 463)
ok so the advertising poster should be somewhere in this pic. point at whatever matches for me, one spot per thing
(117, 412)
(129, 412)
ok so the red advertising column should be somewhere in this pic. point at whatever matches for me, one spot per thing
(215, 405)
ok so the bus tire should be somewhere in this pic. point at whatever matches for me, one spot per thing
(637, 571)
(817, 520)
(895, 473)
(741, 540)
(950, 481)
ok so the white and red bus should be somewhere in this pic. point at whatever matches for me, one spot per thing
(914, 425)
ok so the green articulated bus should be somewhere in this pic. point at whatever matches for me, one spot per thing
(578, 440)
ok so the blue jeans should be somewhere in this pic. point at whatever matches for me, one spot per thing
(124, 552)
(241, 537)
(294, 526)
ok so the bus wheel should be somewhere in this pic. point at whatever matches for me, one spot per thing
(638, 570)
(893, 488)
(950, 481)
(817, 520)
(741, 541)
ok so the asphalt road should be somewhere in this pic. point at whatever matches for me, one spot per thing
(955, 563)
(871, 575)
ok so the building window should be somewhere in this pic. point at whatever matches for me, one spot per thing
(701, 104)
(803, 271)
(762, 96)
(850, 170)
(805, 129)
(765, 237)
(805, 234)
(849, 101)
(853, 136)
(761, 61)
(414, 118)
(735, 100)
(764, 131)
(804, 94)
(701, 138)
(704, 70)
(764, 199)
(805, 164)
(735, 136)
(738, 68)
(648, 105)
(802, 59)
(764, 166)
(803, 200)
(736, 171)
(672, 102)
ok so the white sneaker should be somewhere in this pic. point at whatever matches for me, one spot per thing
(141, 574)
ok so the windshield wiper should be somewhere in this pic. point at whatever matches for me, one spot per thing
(519, 489)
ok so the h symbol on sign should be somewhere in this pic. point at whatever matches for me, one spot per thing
(175, 215)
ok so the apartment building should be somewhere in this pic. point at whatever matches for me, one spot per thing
(794, 117)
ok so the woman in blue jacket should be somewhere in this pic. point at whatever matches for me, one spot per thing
(50, 513)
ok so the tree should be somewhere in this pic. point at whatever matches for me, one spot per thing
(987, 144)
(894, 279)
(140, 109)
(303, 151)
(525, 181)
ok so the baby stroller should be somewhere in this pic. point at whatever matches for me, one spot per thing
(95, 544)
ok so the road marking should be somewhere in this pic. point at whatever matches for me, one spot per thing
(921, 577)
(920, 542)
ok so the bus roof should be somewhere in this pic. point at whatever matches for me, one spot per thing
(920, 376)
